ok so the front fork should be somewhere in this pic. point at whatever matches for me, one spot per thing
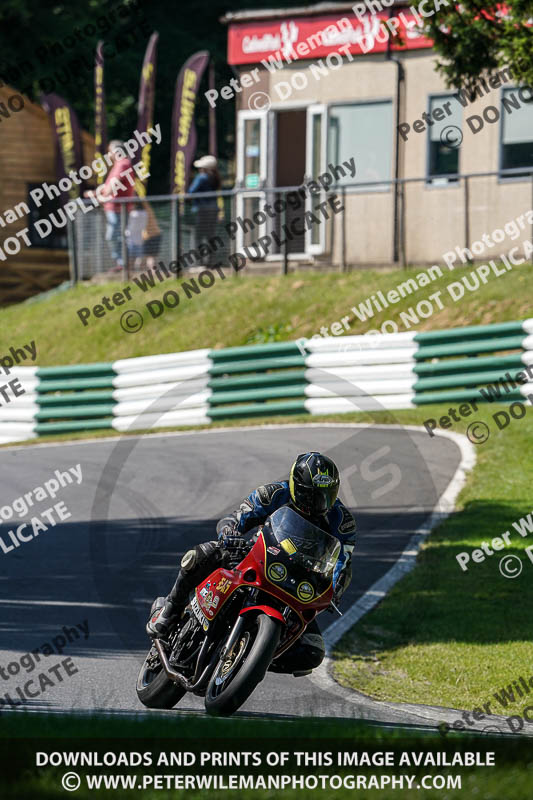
(238, 626)
(240, 622)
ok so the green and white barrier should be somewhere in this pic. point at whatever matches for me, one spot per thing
(312, 376)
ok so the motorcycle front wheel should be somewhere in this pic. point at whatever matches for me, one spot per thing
(238, 673)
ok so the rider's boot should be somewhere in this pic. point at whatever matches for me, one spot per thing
(196, 565)
(163, 618)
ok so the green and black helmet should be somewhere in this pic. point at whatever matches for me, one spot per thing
(314, 484)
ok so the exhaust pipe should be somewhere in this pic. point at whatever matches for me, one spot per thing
(179, 679)
(172, 674)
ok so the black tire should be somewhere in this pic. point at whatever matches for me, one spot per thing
(155, 689)
(263, 634)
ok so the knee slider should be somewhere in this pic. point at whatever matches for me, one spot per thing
(198, 556)
(189, 560)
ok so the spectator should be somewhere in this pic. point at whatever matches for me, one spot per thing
(137, 221)
(144, 236)
(207, 180)
(112, 210)
(151, 236)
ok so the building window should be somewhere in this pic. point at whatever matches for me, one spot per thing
(362, 132)
(517, 129)
(444, 137)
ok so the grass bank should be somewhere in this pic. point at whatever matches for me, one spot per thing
(445, 636)
(246, 310)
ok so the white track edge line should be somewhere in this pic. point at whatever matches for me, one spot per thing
(406, 562)
(211, 430)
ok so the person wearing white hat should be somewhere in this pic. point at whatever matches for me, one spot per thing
(207, 180)
(206, 162)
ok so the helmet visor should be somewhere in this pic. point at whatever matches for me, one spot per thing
(315, 500)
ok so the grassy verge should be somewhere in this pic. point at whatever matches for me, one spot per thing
(450, 637)
(194, 727)
(237, 311)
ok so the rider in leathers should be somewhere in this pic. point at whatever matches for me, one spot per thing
(312, 491)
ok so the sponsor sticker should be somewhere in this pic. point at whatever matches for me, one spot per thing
(277, 572)
(199, 614)
(289, 546)
(305, 591)
(322, 480)
(223, 585)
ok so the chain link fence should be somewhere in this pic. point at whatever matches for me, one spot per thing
(381, 223)
(199, 231)
(138, 233)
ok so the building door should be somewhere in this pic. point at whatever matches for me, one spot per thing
(289, 170)
(279, 149)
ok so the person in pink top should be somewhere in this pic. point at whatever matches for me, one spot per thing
(112, 209)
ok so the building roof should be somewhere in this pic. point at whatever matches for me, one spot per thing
(7, 91)
(296, 11)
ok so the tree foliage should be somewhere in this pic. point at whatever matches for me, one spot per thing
(476, 37)
(26, 26)
(471, 39)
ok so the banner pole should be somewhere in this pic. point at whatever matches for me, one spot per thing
(212, 114)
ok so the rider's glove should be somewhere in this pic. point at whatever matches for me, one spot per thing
(343, 581)
(228, 531)
(337, 594)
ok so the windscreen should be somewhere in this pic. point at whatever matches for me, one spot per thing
(307, 545)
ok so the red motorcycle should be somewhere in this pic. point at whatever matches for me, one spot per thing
(241, 619)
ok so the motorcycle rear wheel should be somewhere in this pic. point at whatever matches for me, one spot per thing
(237, 675)
(154, 687)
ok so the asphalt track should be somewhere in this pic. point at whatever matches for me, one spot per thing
(143, 501)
